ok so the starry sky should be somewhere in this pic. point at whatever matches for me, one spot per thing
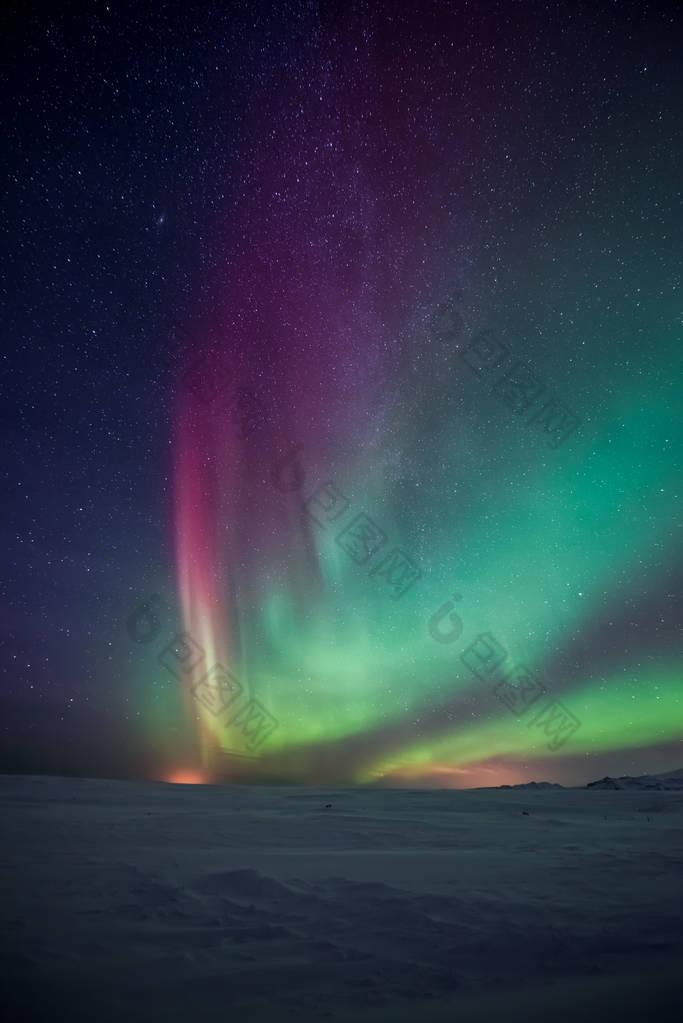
(342, 374)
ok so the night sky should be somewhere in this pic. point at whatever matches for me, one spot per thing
(342, 391)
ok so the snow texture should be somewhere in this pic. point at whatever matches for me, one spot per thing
(125, 901)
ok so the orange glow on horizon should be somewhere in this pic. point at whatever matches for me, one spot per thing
(187, 776)
(483, 774)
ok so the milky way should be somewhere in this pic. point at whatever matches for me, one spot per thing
(387, 443)
(351, 394)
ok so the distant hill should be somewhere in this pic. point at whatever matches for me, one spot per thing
(669, 781)
(533, 785)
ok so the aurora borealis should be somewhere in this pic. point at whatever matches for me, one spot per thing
(541, 567)
(409, 336)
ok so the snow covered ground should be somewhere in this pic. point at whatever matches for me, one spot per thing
(142, 901)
